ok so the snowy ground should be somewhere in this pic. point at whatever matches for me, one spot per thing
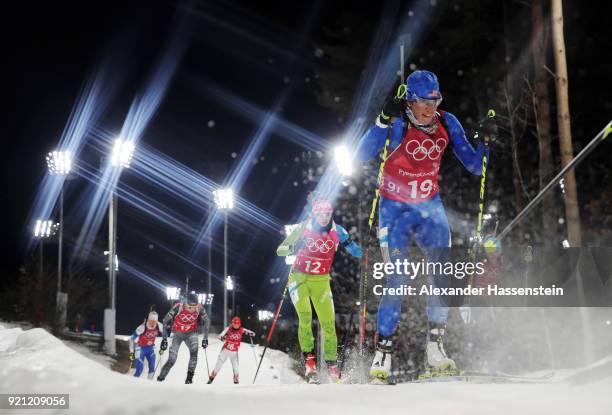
(33, 361)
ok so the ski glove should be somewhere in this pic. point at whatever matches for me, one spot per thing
(488, 128)
(354, 249)
(131, 357)
(204, 343)
(297, 247)
(164, 345)
(392, 108)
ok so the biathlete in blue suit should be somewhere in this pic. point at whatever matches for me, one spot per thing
(145, 336)
(410, 206)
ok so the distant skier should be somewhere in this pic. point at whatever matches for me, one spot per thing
(187, 319)
(410, 205)
(145, 335)
(314, 242)
(232, 336)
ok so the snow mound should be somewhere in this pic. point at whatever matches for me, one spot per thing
(33, 361)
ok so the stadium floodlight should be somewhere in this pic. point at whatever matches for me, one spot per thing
(59, 162)
(290, 259)
(205, 298)
(229, 283)
(224, 198)
(343, 160)
(123, 151)
(265, 315)
(173, 293)
(44, 228)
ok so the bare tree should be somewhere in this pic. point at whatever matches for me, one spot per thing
(541, 108)
(572, 213)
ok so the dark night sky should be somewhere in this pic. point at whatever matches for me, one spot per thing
(51, 48)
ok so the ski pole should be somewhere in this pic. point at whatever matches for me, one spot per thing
(602, 135)
(490, 135)
(158, 362)
(253, 348)
(272, 327)
(206, 358)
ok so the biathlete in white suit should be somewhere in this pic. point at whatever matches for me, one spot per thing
(232, 336)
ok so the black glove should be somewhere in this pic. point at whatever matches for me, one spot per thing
(131, 357)
(488, 127)
(394, 107)
(204, 343)
(164, 345)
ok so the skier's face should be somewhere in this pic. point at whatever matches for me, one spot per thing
(151, 323)
(424, 110)
(323, 218)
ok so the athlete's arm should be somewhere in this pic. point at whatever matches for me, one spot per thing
(373, 141)
(287, 246)
(203, 322)
(169, 318)
(348, 244)
(139, 330)
(223, 333)
(463, 150)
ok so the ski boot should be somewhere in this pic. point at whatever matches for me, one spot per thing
(334, 371)
(236, 381)
(211, 377)
(189, 379)
(150, 375)
(438, 363)
(381, 366)
(311, 368)
(161, 378)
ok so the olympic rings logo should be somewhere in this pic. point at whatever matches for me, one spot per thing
(188, 318)
(427, 148)
(320, 245)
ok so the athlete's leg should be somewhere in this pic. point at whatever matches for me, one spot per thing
(192, 343)
(235, 365)
(139, 363)
(433, 237)
(220, 362)
(298, 290)
(177, 339)
(394, 236)
(321, 296)
(150, 355)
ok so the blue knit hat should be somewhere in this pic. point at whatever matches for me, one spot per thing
(423, 85)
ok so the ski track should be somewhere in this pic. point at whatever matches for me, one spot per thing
(34, 361)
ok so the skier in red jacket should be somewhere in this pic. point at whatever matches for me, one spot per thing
(232, 336)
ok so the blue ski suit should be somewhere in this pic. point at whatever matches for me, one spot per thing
(410, 205)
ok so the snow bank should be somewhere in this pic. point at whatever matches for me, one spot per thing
(33, 361)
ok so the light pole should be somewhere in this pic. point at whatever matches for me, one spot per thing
(121, 157)
(60, 163)
(229, 285)
(43, 229)
(224, 198)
